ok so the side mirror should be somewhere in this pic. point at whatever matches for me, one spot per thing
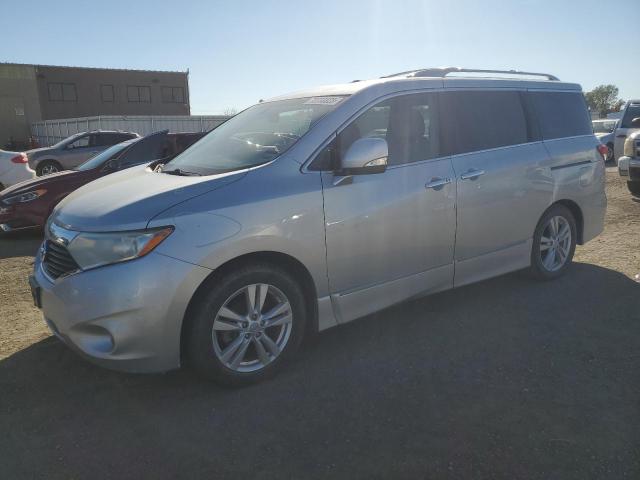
(365, 156)
(635, 123)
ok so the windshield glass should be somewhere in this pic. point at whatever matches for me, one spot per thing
(604, 127)
(254, 136)
(66, 140)
(99, 159)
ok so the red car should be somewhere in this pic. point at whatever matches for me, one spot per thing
(29, 204)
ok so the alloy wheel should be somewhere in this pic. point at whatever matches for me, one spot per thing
(49, 169)
(555, 243)
(252, 327)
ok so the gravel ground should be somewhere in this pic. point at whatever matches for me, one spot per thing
(508, 378)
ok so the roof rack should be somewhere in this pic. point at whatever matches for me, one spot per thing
(444, 71)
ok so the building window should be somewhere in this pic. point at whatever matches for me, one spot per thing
(138, 94)
(106, 93)
(172, 95)
(62, 92)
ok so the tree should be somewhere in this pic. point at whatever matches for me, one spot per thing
(602, 99)
(230, 112)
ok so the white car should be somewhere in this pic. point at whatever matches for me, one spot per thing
(14, 168)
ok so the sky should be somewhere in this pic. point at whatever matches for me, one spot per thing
(238, 52)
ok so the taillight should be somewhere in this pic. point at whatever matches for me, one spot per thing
(603, 151)
(20, 158)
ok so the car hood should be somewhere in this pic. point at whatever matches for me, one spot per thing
(129, 199)
(40, 182)
(35, 151)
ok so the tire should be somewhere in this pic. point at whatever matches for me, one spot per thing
(210, 337)
(634, 188)
(48, 167)
(610, 153)
(544, 267)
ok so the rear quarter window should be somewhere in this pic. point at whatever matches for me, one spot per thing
(561, 114)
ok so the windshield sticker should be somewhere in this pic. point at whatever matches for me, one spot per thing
(323, 100)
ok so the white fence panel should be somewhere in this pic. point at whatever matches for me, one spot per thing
(49, 132)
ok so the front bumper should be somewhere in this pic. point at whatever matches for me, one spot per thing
(623, 166)
(633, 169)
(21, 216)
(126, 316)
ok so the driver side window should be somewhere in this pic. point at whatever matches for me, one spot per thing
(79, 143)
(408, 123)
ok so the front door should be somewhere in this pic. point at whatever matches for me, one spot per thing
(391, 235)
(78, 151)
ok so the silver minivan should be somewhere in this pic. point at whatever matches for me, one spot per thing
(310, 210)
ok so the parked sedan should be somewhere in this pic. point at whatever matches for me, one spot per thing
(74, 150)
(604, 130)
(28, 204)
(14, 168)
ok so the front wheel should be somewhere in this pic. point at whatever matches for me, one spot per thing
(554, 243)
(247, 325)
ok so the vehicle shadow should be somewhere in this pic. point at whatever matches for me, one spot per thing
(509, 378)
(19, 244)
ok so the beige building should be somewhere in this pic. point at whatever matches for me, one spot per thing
(31, 93)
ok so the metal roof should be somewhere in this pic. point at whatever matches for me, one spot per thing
(92, 68)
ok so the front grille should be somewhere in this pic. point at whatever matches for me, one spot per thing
(634, 172)
(57, 260)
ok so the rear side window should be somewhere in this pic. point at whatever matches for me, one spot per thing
(632, 111)
(561, 114)
(145, 151)
(483, 120)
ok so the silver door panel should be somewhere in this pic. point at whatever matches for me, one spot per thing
(492, 264)
(387, 226)
(350, 306)
(501, 207)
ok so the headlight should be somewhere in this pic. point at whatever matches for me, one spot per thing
(91, 250)
(628, 147)
(24, 197)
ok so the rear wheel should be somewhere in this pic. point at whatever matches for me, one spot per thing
(554, 243)
(609, 156)
(634, 188)
(48, 167)
(247, 325)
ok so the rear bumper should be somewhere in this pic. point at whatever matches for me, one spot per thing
(126, 316)
(20, 173)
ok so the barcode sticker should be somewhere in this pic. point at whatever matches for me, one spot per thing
(323, 100)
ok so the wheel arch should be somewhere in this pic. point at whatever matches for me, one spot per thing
(39, 162)
(289, 263)
(576, 211)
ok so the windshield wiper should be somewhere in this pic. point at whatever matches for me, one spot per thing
(182, 173)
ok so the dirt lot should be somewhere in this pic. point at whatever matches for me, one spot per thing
(509, 378)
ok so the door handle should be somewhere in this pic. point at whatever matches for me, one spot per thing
(436, 183)
(471, 174)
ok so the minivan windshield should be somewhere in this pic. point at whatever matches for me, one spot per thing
(97, 160)
(253, 137)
